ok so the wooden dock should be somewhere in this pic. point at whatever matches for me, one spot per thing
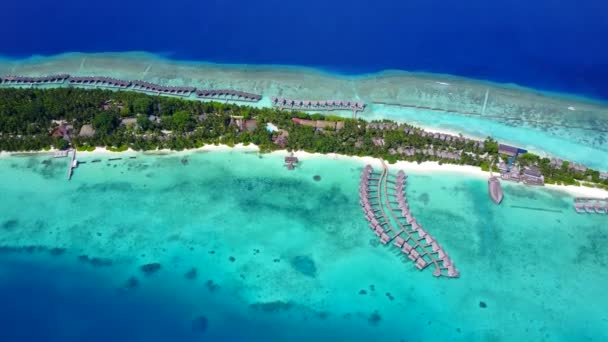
(291, 162)
(381, 193)
(73, 164)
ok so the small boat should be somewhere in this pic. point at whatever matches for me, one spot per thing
(495, 190)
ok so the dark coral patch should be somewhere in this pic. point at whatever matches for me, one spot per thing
(200, 324)
(483, 305)
(211, 285)
(10, 224)
(57, 251)
(191, 274)
(275, 306)
(151, 268)
(96, 262)
(374, 318)
(304, 265)
(316, 178)
(131, 283)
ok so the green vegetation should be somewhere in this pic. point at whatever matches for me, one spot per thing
(26, 120)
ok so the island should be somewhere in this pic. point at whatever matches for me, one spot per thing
(33, 119)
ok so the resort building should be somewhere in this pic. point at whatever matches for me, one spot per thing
(533, 176)
(128, 122)
(281, 139)
(577, 167)
(251, 125)
(556, 163)
(319, 124)
(86, 131)
(510, 151)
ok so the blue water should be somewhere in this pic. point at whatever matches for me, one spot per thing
(544, 44)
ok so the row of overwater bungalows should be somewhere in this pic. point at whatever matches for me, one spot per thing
(591, 205)
(141, 86)
(283, 103)
(419, 246)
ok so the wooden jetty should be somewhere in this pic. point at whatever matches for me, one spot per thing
(73, 164)
(228, 95)
(591, 205)
(60, 154)
(291, 161)
(381, 193)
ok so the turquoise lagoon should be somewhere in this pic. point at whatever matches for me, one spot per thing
(562, 125)
(280, 256)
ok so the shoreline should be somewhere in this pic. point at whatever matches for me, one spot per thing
(424, 167)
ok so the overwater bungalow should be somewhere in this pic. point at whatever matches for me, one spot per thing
(600, 208)
(414, 254)
(148, 87)
(421, 264)
(399, 241)
(407, 248)
(231, 95)
(98, 82)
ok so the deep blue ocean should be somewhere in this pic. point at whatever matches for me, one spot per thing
(546, 44)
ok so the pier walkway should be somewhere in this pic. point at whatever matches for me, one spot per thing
(73, 164)
(591, 205)
(384, 203)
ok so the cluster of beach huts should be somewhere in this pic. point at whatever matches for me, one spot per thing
(418, 245)
(448, 138)
(510, 170)
(558, 163)
(591, 205)
(141, 86)
(284, 103)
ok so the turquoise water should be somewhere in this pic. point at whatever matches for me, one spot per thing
(280, 256)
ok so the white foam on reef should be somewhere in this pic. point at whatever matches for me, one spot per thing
(539, 121)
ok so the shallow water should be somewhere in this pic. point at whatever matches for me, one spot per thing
(280, 256)
(559, 125)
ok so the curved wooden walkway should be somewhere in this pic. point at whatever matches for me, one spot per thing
(400, 226)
